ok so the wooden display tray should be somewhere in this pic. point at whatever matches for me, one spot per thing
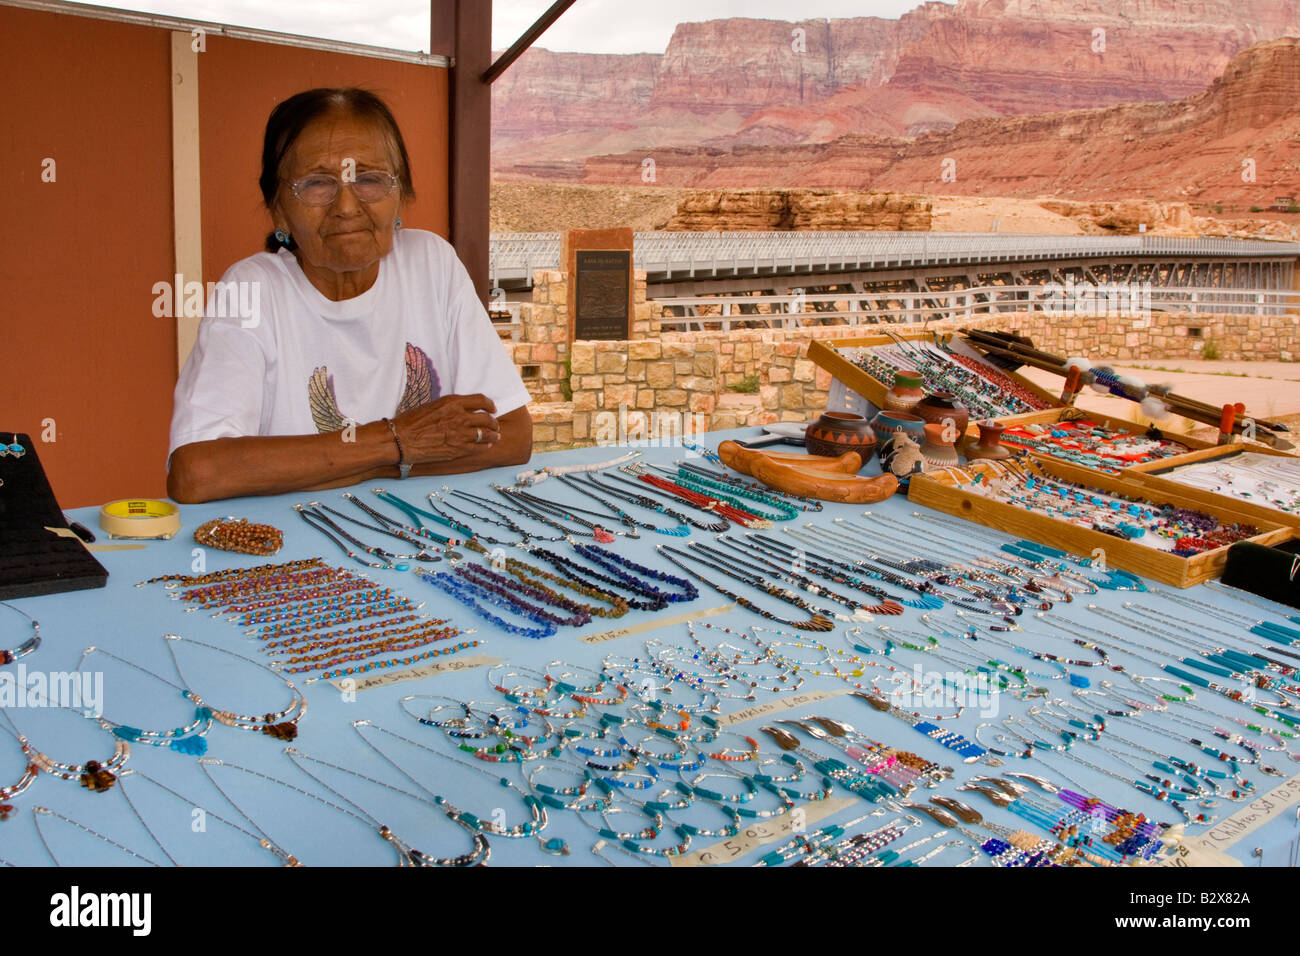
(1053, 415)
(938, 490)
(827, 356)
(1149, 478)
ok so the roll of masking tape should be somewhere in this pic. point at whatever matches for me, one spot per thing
(140, 518)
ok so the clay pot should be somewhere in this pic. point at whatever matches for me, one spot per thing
(940, 407)
(834, 433)
(988, 444)
(907, 391)
(938, 453)
(888, 422)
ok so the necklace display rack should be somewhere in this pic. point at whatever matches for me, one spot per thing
(33, 561)
(1120, 721)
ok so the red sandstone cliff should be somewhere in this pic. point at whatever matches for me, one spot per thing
(1205, 147)
(738, 82)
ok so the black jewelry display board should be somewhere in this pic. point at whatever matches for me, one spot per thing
(604, 279)
(33, 560)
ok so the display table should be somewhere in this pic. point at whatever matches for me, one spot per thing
(331, 828)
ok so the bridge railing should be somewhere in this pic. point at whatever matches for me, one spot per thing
(852, 308)
(517, 255)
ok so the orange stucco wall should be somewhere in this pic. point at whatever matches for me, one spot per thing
(79, 256)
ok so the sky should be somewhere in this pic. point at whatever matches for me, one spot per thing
(589, 26)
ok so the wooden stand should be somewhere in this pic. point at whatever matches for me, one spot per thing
(939, 490)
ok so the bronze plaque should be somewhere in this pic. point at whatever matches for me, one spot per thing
(604, 283)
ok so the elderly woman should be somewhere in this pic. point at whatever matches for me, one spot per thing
(368, 354)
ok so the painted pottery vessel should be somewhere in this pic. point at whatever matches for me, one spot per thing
(937, 452)
(907, 391)
(888, 422)
(940, 407)
(987, 445)
(834, 433)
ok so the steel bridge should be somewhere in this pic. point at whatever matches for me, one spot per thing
(693, 264)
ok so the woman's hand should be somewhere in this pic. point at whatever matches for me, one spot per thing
(443, 433)
(446, 429)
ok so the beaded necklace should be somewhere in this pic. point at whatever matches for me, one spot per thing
(501, 520)
(406, 854)
(406, 532)
(532, 477)
(282, 725)
(817, 622)
(417, 515)
(473, 597)
(730, 494)
(264, 842)
(186, 740)
(1227, 664)
(735, 513)
(680, 531)
(975, 665)
(805, 504)
(622, 568)
(538, 508)
(1150, 785)
(860, 612)
(868, 786)
(528, 574)
(639, 496)
(26, 647)
(323, 525)
(7, 793)
(826, 567)
(537, 810)
(951, 574)
(489, 580)
(651, 599)
(39, 812)
(96, 776)
(390, 528)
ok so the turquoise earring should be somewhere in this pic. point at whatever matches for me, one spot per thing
(282, 237)
(397, 225)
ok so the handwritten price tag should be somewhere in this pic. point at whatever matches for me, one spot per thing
(417, 673)
(779, 704)
(778, 828)
(654, 625)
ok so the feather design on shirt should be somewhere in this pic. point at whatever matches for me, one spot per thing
(422, 385)
(324, 405)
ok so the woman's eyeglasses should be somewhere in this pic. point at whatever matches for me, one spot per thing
(321, 189)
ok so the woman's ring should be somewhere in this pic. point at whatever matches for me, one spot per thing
(479, 439)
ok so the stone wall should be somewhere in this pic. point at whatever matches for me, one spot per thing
(668, 382)
(1161, 335)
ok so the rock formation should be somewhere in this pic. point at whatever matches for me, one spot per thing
(737, 82)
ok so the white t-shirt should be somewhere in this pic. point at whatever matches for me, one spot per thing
(275, 357)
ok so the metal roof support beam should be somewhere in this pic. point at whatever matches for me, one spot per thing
(529, 37)
(462, 30)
